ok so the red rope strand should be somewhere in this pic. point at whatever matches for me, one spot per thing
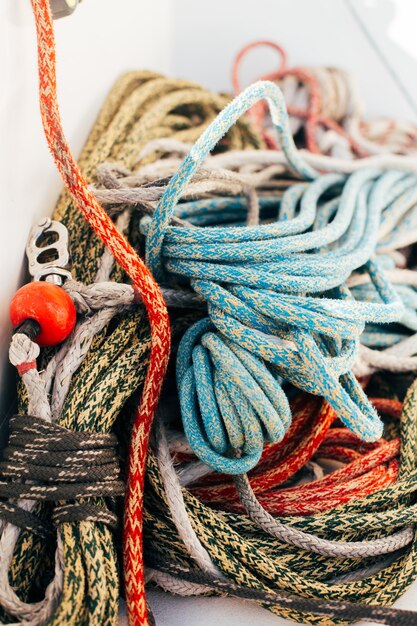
(149, 291)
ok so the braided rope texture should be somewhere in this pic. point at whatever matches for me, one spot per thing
(229, 543)
(95, 396)
(261, 285)
(141, 277)
(250, 557)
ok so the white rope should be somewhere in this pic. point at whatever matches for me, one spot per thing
(106, 299)
(176, 505)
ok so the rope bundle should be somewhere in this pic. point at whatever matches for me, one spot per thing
(313, 434)
(373, 478)
(338, 558)
(315, 438)
(261, 284)
(86, 397)
(379, 466)
(92, 376)
(290, 267)
(259, 180)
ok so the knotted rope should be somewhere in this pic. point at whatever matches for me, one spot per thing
(68, 465)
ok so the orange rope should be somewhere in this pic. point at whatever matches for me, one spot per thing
(146, 286)
(367, 467)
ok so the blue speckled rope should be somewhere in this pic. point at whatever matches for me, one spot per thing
(278, 305)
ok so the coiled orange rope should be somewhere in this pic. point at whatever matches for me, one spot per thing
(364, 469)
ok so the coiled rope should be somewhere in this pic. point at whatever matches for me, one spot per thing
(254, 280)
(228, 173)
(221, 548)
(371, 481)
(326, 111)
(199, 540)
(375, 471)
(257, 558)
(363, 476)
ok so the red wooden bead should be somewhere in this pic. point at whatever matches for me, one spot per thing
(47, 304)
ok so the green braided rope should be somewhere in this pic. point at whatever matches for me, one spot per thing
(249, 557)
(141, 106)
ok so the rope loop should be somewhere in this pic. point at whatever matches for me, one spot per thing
(259, 110)
(230, 369)
(239, 400)
(264, 43)
(205, 144)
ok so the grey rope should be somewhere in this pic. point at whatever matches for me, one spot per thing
(308, 541)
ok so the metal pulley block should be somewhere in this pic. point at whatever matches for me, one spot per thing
(47, 252)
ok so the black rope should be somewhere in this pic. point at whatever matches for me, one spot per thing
(12, 513)
(77, 512)
(47, 462)
(334, 609)
(29, 327)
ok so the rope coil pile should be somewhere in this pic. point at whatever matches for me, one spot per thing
(93, 374)
(281, 283)
(326, 111)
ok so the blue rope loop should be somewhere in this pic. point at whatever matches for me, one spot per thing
(262, 90)
(278, 305)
